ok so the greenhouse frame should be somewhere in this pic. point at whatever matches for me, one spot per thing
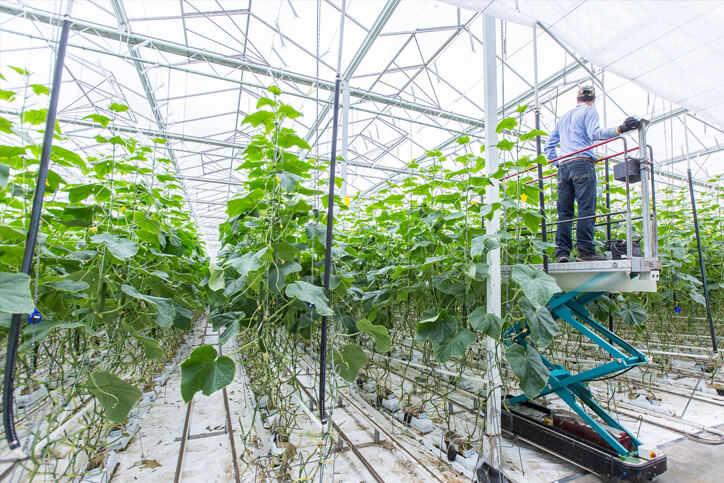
(330, 240)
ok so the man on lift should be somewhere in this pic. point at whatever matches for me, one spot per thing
(577, 129)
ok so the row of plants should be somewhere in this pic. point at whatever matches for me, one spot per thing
(118, 270)
(413, 256)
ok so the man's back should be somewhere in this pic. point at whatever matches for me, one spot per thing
(576, 130)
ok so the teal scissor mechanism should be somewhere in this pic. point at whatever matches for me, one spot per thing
(571, 388)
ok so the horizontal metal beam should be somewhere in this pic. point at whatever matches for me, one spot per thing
(199, 140)
(138, 40)
(694, 155)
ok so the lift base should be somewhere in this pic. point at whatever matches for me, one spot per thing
(526, 421)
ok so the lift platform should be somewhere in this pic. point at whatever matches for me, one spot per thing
(589, 436)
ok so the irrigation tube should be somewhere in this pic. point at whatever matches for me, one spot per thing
(698, 239)
(328, 257)
(701, 262)
(14, 334)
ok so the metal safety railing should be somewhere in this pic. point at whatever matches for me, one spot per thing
(648, 215)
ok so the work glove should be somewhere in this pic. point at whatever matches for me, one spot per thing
(629, 124)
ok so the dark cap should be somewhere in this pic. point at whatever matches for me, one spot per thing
(586, 93)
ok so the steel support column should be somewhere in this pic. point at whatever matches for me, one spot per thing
(492, 452)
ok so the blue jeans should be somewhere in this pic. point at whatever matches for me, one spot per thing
(576, 182)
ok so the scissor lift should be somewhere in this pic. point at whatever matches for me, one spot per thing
(594, 440)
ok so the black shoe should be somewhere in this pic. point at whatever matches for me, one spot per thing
(591, 257)
(562, 259)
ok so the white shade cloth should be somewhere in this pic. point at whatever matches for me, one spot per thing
(673, 49)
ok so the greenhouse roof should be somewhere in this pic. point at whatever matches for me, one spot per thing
(191, 70)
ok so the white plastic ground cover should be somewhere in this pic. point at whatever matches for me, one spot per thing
(673, 49)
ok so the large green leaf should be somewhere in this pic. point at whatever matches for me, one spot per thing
(633, 314)
(542, 325)
(71, 286)
(99, 119)
(350, 360)
(118, 107)
(528, 366)
(477, 271)
(35, 116)
(238, 206)
(487, 323)
(480, 243)
(120, 248)
(288, 180)
(36, 333)
(276, 278)
(537, 285)
(115, 395)
(383, 342)
(165, 311)
(182, 319)
(77, 215)
(313, 294)
(250, 262)
(507, 123)
(216, 279)
(66, 157)
(224, 319)
(4, 173)
(204, 372)
(454, 346)
(15, 293)
(151, 346)
(285, 251)
(437, 327)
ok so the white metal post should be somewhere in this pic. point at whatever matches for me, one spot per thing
(646, 220)
(345, 135)
(492, 440)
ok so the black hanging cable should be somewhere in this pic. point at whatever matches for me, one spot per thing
(328, 256)
(541, 195)
(14, 334)
(701, 262)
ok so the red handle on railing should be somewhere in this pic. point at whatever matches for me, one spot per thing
(569, 155)
(597, 161)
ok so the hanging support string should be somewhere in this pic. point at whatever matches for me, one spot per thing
(37, 210)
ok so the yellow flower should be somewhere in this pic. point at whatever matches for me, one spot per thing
(276, 178)
(524, 197)
(123, 208)
(265, 354)
(100, 316)
(94, 229)
(346, 200)
(474, 202)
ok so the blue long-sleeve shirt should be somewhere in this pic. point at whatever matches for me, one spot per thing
(578, 128)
